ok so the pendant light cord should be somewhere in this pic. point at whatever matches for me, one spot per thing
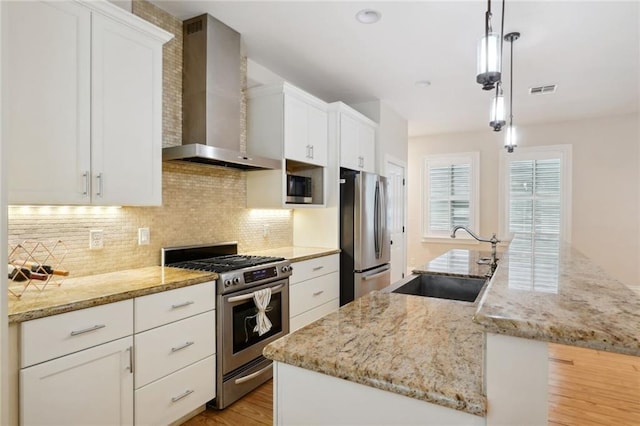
(511, 88)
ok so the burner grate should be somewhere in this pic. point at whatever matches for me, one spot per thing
(225, 263)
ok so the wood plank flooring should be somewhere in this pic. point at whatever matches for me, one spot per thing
(589, 387)
(586, 388)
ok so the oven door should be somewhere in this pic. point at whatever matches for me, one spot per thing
(240, 344)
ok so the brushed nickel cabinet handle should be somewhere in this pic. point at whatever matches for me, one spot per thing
(100, 180)
(318, 293)
(85, 175)
(87, 330)
(317, 268)
(185, 394)
(179, 348)
(131, 359)
(182, 305)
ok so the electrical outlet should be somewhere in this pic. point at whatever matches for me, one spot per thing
(96, 239)
(144, 237)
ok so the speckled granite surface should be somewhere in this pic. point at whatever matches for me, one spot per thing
(85, 292)
(296, 254)
(420, 347)
(549, 291)
(458, 262)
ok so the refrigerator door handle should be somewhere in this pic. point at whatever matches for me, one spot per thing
(376, 220)
(374, 276)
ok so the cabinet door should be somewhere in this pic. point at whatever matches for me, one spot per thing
(126, 133)
(349, 142)
(318, 134)
(90, 387)
(47, 48)
(296, 129)
(367, 148)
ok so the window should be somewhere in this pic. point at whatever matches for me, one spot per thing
(536, 193)
(450, 188)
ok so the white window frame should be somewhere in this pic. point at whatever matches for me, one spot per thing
(472, 158)
(564, 153)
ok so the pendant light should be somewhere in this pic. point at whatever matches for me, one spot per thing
(510, 140)
(489, 54)
(497, 119)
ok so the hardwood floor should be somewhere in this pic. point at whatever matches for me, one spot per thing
(586, 388)
(589, 387)
(254, 409)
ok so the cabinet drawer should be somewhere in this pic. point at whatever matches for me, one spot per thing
(47, 338)
(162, 308)
(308, 269)
(176, 395)
(166, 349)
(312, 315)
(313, 293)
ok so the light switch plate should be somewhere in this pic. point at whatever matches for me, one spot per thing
(96, 239)
(144, 238)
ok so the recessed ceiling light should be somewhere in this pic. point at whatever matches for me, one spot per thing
(423, 83)
(368, 16)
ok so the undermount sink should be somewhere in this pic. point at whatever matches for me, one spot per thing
(441, 286)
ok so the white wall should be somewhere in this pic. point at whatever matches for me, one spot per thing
(606, 187)
(4, 415)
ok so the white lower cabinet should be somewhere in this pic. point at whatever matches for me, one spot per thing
(90, 387)
(88, 367)
(314, 290)
(176, 395)
(175, 360)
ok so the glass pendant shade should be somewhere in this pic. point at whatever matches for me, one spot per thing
(488, 72)
(510, 140)
(497, 119)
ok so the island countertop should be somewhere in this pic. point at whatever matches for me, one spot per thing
(84, 292)
(424, 348)
(549, 291)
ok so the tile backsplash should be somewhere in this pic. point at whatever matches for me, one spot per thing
(200, 205)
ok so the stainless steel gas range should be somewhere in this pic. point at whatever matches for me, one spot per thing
(240, 366)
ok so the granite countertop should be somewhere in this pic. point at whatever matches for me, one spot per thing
(85, 292)
(296, 253)
(420, 347)
(549, 291)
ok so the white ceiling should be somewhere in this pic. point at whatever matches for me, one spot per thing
(589, 49)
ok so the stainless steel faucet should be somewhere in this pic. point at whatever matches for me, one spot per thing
(493, 240)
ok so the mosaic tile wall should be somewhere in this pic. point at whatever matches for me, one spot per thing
(199, 204)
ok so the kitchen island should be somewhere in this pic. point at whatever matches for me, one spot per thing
(404, 345)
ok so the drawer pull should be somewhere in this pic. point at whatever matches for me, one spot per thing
(317, 268)
(318, 293)
(252, 376)
(184, 395)
(179, 348)
(87, 330)
(182, 305)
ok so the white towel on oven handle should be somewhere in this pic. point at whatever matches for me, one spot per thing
(261, 298)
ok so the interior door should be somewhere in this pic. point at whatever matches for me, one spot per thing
(396, 212)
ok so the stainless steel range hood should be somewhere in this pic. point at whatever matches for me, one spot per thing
(211, 98)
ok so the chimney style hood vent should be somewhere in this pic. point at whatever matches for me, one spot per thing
(211, 98)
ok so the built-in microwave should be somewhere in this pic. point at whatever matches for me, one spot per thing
(299, 189)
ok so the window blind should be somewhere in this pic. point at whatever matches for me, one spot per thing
(535, 197)
(449, 197)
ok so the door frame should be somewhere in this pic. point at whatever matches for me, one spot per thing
(390, 159)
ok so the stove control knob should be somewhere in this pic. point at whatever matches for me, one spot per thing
(286, 268)
(227, 282)
(236, 280)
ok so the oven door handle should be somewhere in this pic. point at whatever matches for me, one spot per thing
(252, 376)
(250, 295)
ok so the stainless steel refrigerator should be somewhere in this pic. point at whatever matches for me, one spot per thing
(364, 234)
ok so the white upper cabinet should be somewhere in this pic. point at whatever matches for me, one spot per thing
(356, 135)
(286, 122)
(84, 105)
